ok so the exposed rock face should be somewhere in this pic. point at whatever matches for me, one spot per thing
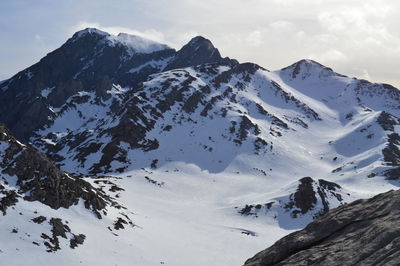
(198, 51)
(391, 152)
(365, 232)
(304, 68)
(311, 198)
(9, 198)
(90, 61)
(106, 104)
(38, 179)
(59, 229)
(86, 62)
(305, 198)
(387, 121)
(28, 177)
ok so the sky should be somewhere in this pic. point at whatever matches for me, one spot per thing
(359, 38)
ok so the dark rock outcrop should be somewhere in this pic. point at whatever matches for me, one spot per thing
(90, 61)
(387, 121)
(312, 197)
(8, 198)
(364, 232)
(305, 198)
(304, 68)
(391, 153)
(38, 179)
(198, 51)
(59, 229)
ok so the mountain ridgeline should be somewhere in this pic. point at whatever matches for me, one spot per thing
(97, 121)
(90, 61)
(104, 96)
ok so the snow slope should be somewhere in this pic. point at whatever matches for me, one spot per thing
(212, 162)
(187, 192)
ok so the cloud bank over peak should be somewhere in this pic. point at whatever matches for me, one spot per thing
(353, 37)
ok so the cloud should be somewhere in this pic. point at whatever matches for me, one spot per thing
(254, 38)
(331, 56)
(281, 25)
(345, 35)
(151, 34)
(364, 74)
(175, 40)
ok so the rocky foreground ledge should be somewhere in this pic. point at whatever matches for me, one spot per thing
(364, 232)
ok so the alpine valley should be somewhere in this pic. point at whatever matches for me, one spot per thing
(117, 150)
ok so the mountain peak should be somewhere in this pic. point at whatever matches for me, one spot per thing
(310, 63)
(306, 63)
(199, 40)
(138, 43)
(90, 31)
(197, 51)
(134, 43)
(306, 68)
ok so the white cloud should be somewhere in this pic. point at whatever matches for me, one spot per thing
(345, 35)
(364, 74)
(175, 40)
(151, 34)
(332, 22)
(282, 25)
(254, 38)
(330, 56)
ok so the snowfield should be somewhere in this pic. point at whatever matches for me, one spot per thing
(187, 218)
(203, 165)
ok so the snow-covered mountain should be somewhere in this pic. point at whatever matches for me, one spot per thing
(36, 196)
(194, 153)
(90, 61)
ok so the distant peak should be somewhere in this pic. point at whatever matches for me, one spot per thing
(198, 37)
(134, 43)
(138, 43)
(197, 51)
(91, 31)
(200, 41)
(309, 62)
(308, 67)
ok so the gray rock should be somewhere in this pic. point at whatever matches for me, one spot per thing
(365, 232)
(198, 51)
(86, 62)
(38, 179)
(309, 200)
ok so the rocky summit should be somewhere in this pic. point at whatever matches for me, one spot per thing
(28, 177)
(149, 155)
(364, 232)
